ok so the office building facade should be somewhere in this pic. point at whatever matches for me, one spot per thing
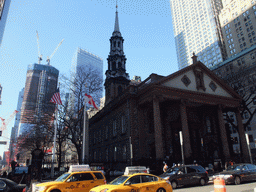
(15, 129)
(4, 9)
(89, 61)
(238, 25)
(196, 29)
(41, 84)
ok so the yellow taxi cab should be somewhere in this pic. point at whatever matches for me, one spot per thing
(79, 178)
(136, 179)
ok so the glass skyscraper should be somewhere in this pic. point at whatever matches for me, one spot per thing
(4, 9)
(196, 29)
(83, 58)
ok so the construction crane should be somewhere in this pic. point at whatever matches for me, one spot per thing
(6, 122)
(39, 54)
(48, 58)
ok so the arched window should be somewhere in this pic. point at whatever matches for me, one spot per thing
(119, 44)
(120, 90)
(113, 66)
(114, 44)
(119, 65)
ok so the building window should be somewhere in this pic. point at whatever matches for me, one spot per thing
(250, 138)
(123, 124)
(246, 115)
(186, 80)
(213, 86)
(208, 124)
(248, 128)
(114, 128)
(106, 133)
(95, 156)
(107, 154)
(235, 140)
(115, 153)
(124, 152)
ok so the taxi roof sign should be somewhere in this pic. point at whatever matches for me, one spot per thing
(79, 168)
(135, 169)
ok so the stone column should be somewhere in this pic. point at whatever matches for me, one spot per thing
(158, 129)
(185, 131)
(223, 134)
(243, 144)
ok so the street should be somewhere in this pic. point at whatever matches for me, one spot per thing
(245, 187)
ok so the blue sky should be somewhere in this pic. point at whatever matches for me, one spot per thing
(146, 27)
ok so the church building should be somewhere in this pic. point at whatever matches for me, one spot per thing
(141, 123)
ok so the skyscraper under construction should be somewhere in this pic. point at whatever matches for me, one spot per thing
(41, 83)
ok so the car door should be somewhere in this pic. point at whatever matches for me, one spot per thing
(132, 184)
(72, 183)
(245, 173)
(192, 176)
(148, 183)
(252, 169)
(180, 176)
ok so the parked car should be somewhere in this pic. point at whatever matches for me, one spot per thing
(186, 175)
(238, 173)
(8, 185)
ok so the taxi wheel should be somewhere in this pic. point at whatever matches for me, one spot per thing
(161, 190)
(55, 190)
(174, 184)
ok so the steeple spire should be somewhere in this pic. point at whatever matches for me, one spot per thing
(116, 21)
(117, 80)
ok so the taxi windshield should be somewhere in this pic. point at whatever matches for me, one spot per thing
(63, 177)
(119, 180)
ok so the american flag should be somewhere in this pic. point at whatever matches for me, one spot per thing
(56, 98)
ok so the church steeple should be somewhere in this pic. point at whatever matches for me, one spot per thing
(116, 21)
(116, 77)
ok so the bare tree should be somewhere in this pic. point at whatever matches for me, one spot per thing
(243, 83)
(84, 80)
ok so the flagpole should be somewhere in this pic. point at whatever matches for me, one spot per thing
(54, 143)
(84, 129)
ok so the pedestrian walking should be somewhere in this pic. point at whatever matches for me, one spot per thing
(165, 167)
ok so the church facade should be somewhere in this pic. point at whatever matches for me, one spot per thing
(141, 123)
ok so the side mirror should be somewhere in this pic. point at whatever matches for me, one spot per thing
(68, 180)
(128, 183)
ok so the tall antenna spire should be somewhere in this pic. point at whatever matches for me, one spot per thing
(116, 21)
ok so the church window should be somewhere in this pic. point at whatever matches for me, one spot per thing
(115, 153)
(119, 65)
(113, 66)
(123, 124)
(186, 80)
(120, 90)
(107, 154)
(208, 124)
(114, 129)
(114, 44)
(124, 152)
(106, 133)
(213, 86)
(119, 44)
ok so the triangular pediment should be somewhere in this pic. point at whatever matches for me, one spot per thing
(198, 78)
